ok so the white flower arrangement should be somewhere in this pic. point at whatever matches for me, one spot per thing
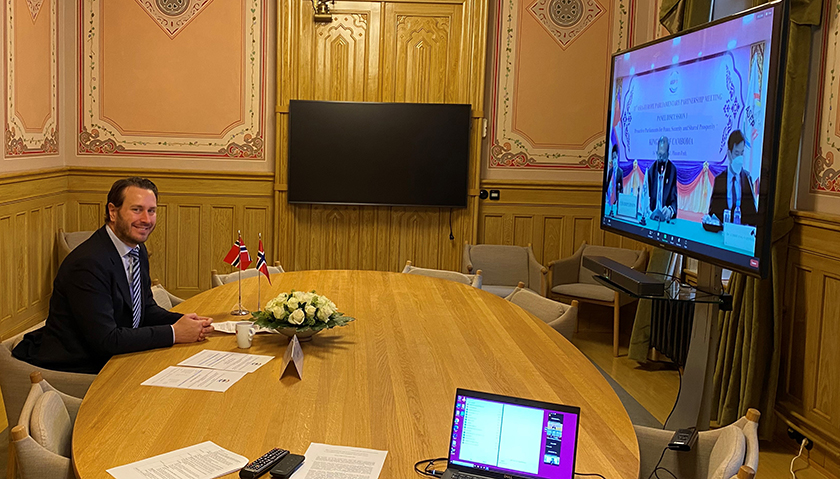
(301, 311)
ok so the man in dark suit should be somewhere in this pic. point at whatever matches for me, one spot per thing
(661, 182)
(615, 179)
(102, 301)
(733, 188)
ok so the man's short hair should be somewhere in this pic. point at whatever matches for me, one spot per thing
(614, 150)
(735, 139)
(117, 194)
(664, 139)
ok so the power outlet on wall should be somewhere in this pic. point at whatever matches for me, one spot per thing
(798, 437)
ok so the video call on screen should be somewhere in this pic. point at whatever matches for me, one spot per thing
(686, 138)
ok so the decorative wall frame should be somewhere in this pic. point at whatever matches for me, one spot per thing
(565, 21)
(243, 137)
(24, 134)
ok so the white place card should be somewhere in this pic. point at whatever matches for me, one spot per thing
(293, 354)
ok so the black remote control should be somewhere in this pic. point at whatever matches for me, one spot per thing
(287, 466)
(263, 464)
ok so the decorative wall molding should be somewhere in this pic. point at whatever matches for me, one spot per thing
(22, 138)
(99, 133)
(173, 15)
(34, 7)
(824, 173)
(513, 143)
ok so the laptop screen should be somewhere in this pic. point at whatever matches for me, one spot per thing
(511, 436)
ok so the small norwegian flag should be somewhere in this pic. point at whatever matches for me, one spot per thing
(262, 267)
(238, 255)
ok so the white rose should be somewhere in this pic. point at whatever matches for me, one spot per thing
(328, 310)
(323, 316)
(310, 311)
(282, 297)
(297, 317)
(276, 310)
(299, 295)
(292, 303)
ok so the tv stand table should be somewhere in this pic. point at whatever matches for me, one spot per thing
(686, 322)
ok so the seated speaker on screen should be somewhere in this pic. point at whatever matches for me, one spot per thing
(661, 182)
(733, 195)
(615, 180)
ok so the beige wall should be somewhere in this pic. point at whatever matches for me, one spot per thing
(31, 96)
(819, 168)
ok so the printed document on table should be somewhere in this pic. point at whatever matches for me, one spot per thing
(202, 461)
(209, 359)
(192, 378)
(324, 460)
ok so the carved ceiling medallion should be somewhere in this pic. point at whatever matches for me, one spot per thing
(34, 7)
(565, 20)
(173, 15)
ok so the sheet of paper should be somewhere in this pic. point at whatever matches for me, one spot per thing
(230, 328)
(193, 378)
(202, 461)
(227, 361)
(340, 462)
(294, 353)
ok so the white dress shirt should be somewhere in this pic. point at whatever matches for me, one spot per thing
(123, 250)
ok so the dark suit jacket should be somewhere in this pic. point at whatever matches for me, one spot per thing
(91, 316)
(749, 216)
(669, 189)
(617, 179)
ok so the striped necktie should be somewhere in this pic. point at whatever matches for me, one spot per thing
(134, 265)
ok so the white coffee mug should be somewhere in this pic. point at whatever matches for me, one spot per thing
(244, 334)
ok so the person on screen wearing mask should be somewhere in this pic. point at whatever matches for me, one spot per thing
(615, 179)
(661, 182)
(733, 188)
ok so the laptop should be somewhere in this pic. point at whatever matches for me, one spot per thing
(502, 437)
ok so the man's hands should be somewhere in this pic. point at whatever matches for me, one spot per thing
(191, 328)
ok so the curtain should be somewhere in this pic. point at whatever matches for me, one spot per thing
(640, 337)
(678, 15)
(747, 368)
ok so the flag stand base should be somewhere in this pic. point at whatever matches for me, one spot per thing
(240, 311)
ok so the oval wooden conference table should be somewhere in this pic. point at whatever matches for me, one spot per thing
(385, 381)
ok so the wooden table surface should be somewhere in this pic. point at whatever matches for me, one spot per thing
(386, 381)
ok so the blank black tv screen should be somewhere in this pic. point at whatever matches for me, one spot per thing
(396, 154)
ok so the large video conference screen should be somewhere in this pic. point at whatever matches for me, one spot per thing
(691, 140)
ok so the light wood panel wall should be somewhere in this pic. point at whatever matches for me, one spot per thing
(809, 382)
(554, 217)
(199, 214)
(398, 51)
(32, 208)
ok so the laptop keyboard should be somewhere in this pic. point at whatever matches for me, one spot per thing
(463, 475)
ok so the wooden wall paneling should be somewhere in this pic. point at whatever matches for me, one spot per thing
(553, 229)
(156, 246)
(222, 235)
(491, 228)
(375, 51)
(797, 311)
(91, 215)
(7, 283)
(20, 253)
(826, 403)
(186, 251)
(809, 398)
(423, 61)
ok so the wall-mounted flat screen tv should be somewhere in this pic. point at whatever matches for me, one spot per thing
(396, 154)
(692, 140)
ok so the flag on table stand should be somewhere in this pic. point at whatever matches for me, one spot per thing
(238, 257)
(262, 267)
